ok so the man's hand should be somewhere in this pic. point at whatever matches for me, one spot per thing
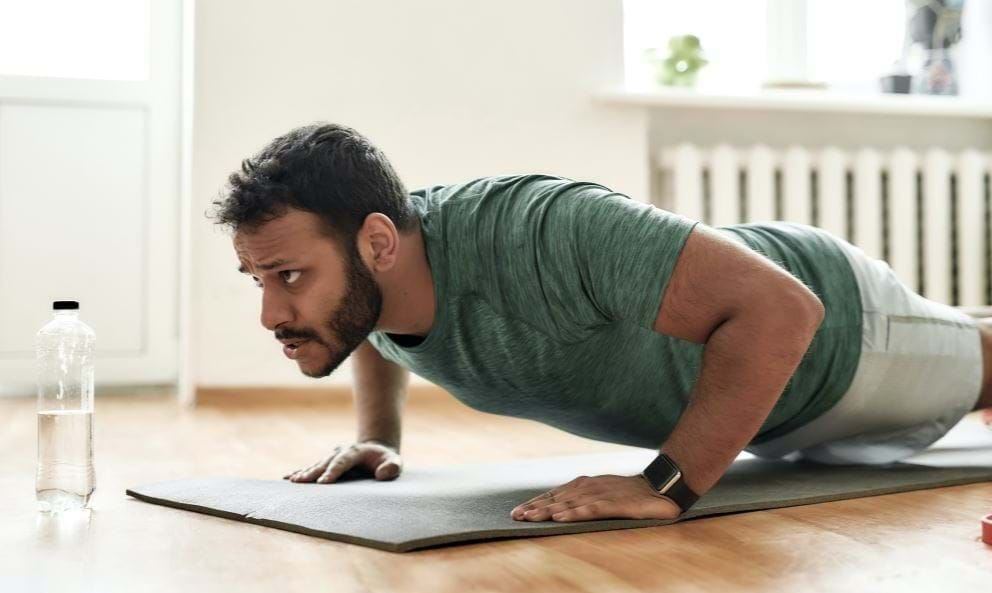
(598, 497)
(378, 459)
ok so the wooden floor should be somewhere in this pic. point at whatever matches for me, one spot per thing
(925, 540)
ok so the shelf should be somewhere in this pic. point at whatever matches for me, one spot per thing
(811, 101)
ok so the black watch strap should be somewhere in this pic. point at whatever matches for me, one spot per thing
(666, 479)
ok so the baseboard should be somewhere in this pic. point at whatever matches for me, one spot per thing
(308, 396)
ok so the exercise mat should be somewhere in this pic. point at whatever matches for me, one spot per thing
(428, 507)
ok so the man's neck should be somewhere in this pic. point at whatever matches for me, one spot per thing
(408, 290)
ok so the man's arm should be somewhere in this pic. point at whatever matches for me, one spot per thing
(757, 322)
(379, 393)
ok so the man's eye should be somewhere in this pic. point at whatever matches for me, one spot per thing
(290, 272)
(257, 283)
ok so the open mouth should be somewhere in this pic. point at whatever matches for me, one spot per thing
(292, 350)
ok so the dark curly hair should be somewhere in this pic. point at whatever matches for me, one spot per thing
(327, 169)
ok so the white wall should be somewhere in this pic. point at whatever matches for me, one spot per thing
(450, 90)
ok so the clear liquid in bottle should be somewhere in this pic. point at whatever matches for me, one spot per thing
(65, 477)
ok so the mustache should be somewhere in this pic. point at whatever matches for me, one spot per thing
(290, 334)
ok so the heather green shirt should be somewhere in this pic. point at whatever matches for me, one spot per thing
(546, 292)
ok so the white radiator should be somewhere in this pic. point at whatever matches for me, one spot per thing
(924, 212)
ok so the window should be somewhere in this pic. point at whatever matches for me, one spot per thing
(851, 43)
(844, 43)
(732, 34)
(94, 39)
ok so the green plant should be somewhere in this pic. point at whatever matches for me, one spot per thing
(682, 64)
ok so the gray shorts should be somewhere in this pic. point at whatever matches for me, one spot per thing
(919, 373)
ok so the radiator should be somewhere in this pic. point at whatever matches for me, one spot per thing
(925, 212)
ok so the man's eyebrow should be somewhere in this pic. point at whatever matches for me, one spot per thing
(266, 267)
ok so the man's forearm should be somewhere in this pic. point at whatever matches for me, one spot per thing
(384, 426)
(380, 409)
(380, 388)
(746, 365)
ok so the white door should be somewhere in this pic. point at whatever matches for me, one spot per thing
(89, 181)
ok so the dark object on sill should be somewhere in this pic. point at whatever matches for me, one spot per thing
(896, 83)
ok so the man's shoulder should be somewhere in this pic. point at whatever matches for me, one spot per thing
(797, 233)
(491, 185)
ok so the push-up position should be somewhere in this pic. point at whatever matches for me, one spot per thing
(567, 303)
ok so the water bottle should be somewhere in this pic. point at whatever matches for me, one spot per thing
(65, 476)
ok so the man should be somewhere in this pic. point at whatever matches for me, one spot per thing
(567, 303)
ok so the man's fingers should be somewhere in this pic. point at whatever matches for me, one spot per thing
(554, 492)
(388, 469)
(582, 485)
(386, 465)
(336, 468)
(598, 509)
(292, 473)
(543, 513)
(314, 470)
(308, 474)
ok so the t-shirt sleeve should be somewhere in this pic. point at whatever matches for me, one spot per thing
(603, 256)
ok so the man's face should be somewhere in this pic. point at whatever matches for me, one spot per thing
(310, 290)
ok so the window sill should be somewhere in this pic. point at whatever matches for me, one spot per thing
(810, 101)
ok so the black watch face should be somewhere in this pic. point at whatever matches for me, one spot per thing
(660, 471)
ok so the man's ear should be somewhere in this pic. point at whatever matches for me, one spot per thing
(381, 239)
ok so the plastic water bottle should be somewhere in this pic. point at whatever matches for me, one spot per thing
(64, 347)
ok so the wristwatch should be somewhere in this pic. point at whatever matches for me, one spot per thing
(666, 478)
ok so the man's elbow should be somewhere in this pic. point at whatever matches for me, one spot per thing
(806, 310)
(796, 307)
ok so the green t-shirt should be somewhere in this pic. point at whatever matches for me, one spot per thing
(546, 291)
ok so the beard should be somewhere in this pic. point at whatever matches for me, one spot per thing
(355, 319)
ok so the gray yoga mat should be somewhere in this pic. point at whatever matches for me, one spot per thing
(472, 502)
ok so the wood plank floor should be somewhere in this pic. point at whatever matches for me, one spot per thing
(926, 540)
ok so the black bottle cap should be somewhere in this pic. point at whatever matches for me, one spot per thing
(59, 305)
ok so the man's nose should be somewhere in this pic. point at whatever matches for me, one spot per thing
(275, 310)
